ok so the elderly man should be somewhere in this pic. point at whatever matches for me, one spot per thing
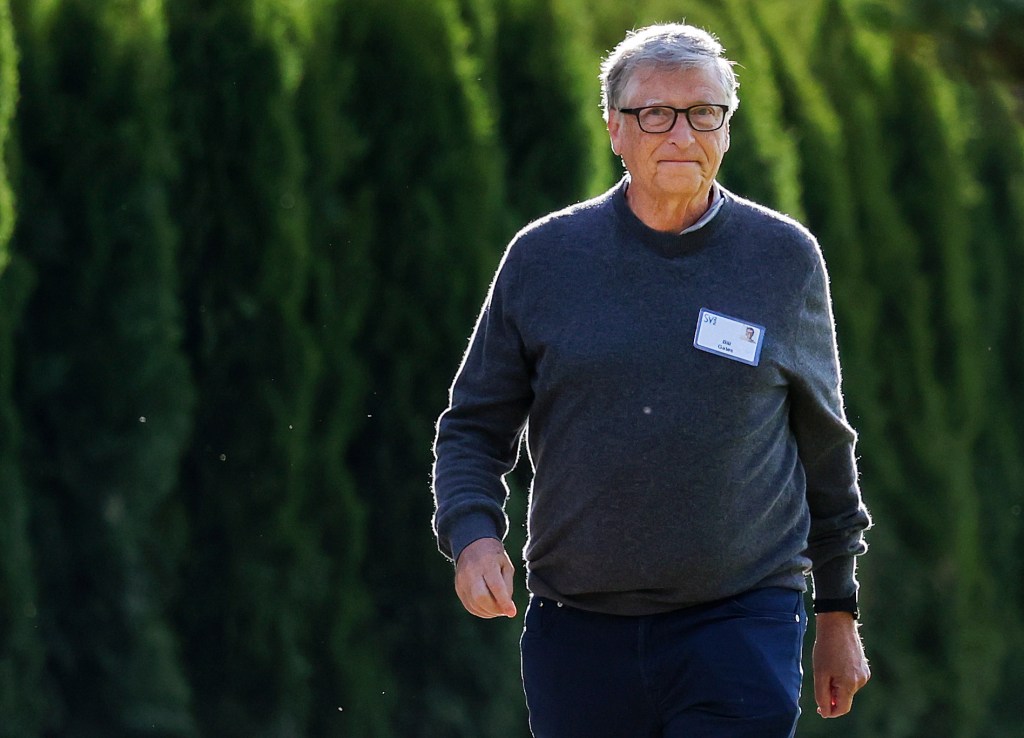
(669, 349)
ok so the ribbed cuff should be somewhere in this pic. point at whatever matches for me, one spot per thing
(835, 579)
(471, 528)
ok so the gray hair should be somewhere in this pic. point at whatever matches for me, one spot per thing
(669, 45)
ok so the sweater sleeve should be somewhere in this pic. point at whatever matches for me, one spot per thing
(478, 435)
(825, 443)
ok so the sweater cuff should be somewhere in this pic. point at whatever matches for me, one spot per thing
(835, 579)
(471, 528)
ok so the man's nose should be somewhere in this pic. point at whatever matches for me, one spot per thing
(681, 131)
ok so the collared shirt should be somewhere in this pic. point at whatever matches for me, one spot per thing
(716, 204)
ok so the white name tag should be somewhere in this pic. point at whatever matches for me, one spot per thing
(734, 339)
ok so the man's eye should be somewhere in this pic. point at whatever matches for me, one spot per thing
(657, 113)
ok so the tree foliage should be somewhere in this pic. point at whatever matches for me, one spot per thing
(21, 649)
(100, 384)
(255, 568)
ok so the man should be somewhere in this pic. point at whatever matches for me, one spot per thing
(685, 480)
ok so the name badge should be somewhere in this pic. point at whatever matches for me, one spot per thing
(734, 339)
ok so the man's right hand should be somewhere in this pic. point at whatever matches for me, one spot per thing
(483, 579)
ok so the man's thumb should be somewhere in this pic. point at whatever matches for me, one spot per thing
(508, 607)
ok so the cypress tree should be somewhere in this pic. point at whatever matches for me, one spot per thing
(996, 153)
(8, 101)
(984, 38)
(547, 99)
(101, 387)
(999, 243)
(254, 571)
(431, 175)
(25, 695)
(941, 194)
(348, 670)
(23, 700)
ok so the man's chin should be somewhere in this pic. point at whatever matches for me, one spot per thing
(681, 184)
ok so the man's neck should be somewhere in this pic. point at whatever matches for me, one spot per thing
(668, 215)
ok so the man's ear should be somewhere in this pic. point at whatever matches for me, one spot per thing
(614, 129)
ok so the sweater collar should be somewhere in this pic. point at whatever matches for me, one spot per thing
(671, 245)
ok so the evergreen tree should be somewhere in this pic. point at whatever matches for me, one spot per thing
(101, 387)
(23, 702)
(982, 38)
(8, 101)
(349, 675)
(547, 97)
(255, 570)
(940, 192)
(430, 175)
(995, 150)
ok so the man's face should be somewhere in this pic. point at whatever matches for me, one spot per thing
(681, 162)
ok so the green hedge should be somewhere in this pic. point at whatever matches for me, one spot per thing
(100, 383)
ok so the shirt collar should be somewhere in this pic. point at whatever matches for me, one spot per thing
(717, 198)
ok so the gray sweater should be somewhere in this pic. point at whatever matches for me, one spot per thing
(665, 475)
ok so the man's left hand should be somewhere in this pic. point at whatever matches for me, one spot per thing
(840, 667)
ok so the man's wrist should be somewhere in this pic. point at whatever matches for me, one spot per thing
(839, 604)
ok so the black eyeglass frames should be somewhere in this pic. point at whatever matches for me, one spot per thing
(662, 118)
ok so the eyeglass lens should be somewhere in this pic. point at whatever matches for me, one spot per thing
(659, 119)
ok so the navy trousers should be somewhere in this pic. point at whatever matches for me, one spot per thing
(728, 669)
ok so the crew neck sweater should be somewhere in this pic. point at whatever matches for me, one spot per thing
(664, 476)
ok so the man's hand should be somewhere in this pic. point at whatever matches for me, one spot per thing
(840, 667)
(483, 579)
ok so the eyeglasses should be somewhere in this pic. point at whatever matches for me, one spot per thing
(662, 118)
